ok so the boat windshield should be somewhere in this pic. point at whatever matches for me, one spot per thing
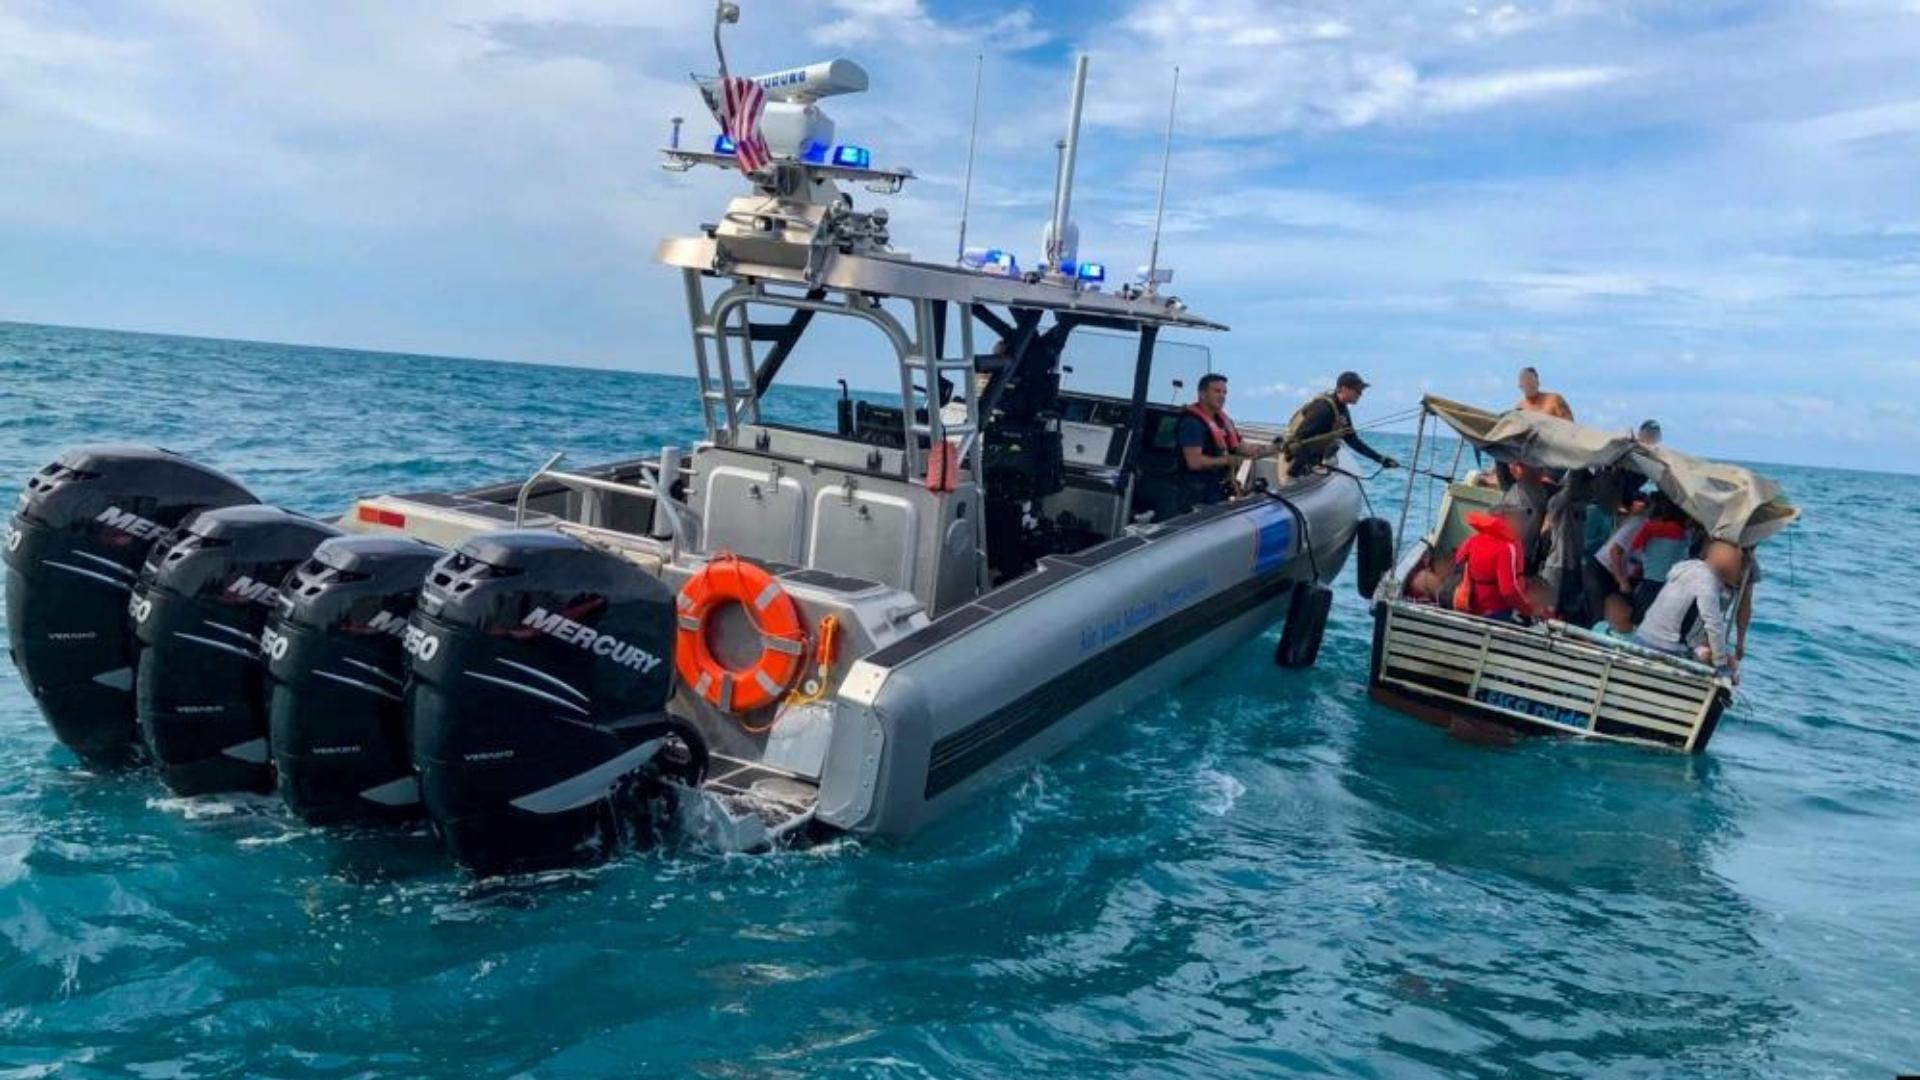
(1099, 363)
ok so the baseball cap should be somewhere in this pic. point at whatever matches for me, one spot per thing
(1352, 379)
(1650, 425)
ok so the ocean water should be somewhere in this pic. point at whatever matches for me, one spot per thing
(1261, 874)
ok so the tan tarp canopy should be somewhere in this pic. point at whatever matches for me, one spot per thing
(1730, 502)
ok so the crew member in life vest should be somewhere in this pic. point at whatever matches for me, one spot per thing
(1324, 422)
(1210, 446)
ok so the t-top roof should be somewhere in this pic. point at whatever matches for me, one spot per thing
(900, 276)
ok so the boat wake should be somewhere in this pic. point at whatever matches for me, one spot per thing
(1218, 793)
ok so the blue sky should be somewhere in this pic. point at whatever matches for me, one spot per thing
(1707, 212)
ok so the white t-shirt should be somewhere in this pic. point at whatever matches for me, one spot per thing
(1622, 538)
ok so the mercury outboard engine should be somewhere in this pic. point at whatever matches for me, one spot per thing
(80, 532)
(337, 677)
(198, 610)
(540, 669)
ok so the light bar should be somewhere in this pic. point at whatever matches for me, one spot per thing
(1093, 272)
(853, 157)
(992, 260)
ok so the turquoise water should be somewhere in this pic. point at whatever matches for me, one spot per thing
(1262, 874)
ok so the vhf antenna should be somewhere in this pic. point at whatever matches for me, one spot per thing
(725, 12)
(1160, 203)
(973, 134)
(1057, 249)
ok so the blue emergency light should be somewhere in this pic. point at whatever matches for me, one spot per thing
(991, 260)
(1093, 272)
(852, 157)
(722, 144)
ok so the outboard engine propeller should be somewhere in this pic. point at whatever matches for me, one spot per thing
(198, 610)
(540, 669)
(337, 677)
(80, 532)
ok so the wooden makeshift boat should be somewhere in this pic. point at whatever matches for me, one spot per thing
(1461, 670)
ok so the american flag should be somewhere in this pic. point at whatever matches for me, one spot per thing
(738, 104)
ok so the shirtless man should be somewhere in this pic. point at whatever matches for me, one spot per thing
(1534, 399)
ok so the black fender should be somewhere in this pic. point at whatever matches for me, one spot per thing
(1307, 612)
(1373, 554)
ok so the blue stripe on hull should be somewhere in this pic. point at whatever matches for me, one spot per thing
(1273, 536)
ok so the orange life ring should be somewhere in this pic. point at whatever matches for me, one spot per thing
(783, 639)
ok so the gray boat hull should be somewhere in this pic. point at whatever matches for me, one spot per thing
(927, 723)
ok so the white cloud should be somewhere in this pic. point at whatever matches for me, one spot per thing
(71, 76)
(1268, 67)
(1677, 211)
(1495, 21)
(1561, 292)
(1501, 88)
(908, 23)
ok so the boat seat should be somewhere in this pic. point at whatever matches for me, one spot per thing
(841, 522)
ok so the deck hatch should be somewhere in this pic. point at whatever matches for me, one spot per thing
(953, 622)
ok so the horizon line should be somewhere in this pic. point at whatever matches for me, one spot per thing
(371, 351)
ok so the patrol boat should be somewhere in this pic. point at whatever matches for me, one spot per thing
(776, 632)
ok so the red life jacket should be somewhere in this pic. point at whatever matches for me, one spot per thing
(1495, 568)
(1221, 431)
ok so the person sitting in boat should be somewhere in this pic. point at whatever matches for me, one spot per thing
(1693, 605)
(1608, 508)
(1615, 556)
(1526, 495)
(1661, 542)
(1325, 421)
(1534, 399)
(1566, 529)
(1210, 446)
(1617, 624)
(1493, 568)
(1426, 586)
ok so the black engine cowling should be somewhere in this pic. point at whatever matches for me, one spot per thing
(337, 679)
(80, 532)
(540, 669)
(202, 600)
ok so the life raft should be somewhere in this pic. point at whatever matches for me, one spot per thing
(783, 638)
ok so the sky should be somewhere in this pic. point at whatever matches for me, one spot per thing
(1704, 211)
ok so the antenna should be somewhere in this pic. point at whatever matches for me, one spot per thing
(973, 134)
(1160, 202)
(1058, 247)
(725, 12)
